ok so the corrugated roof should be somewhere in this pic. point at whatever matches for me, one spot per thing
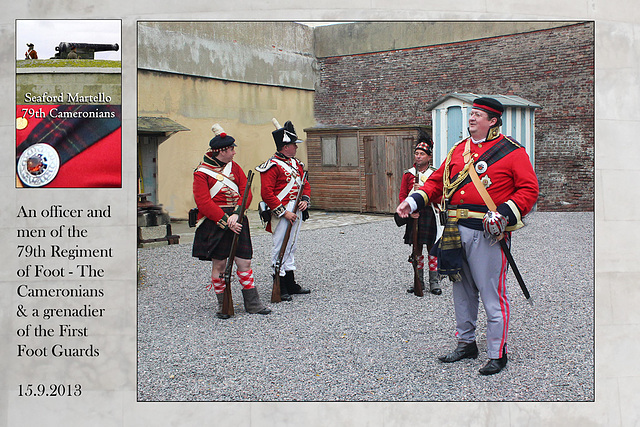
(164, 125)
(506, 100)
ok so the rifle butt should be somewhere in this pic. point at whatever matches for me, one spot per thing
(227, 300)
(275, 293)
(417, 285)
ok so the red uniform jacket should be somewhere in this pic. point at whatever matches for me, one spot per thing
(511, 178)
(408, 179)
(202, 183)
(274, 178)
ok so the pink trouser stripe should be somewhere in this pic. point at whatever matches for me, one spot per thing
(504, 303)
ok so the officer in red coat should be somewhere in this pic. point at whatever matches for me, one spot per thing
(281, 177)
(218, 186)
(468, 252)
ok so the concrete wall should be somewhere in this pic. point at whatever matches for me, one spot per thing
(83, 81)
(377, 36)
(268, 53)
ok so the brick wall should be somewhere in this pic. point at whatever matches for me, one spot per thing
(554, 68)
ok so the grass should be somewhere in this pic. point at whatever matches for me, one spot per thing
(48, 63)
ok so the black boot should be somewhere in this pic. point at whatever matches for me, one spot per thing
(292, 286)
(463, 351)
(252, 303)
(494, 366)
(220, 303)
(284, 293)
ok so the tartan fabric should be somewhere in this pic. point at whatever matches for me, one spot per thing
(426, 228)
(212, 242)
(70, 136)
(449, 251)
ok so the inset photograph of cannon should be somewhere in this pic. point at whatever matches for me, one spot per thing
(68, 103)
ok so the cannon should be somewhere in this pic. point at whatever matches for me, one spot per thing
(83, 50)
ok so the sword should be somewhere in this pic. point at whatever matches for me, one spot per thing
(516, 272)
(492, 207)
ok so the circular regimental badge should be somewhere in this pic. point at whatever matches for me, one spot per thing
(21, 123)
(481, 167)
(38, 165)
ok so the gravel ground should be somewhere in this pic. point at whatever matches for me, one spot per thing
(359, 336)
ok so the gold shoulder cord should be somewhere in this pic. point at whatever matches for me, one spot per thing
(450, 187)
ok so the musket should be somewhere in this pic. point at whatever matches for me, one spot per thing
(417, 285)
(227, 301)
(275, 293)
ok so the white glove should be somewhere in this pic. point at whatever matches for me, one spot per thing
(494, 223)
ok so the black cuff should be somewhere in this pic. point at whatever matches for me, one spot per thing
(279, 211)
(506, 211)
(417, 196)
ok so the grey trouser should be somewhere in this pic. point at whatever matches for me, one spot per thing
(484, 273)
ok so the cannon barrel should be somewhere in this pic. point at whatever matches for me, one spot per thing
(84, 50)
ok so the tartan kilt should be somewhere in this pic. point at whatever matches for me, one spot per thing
(212, 242)
(426, 228)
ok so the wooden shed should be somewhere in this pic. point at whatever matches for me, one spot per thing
(152, 131)
(358, 169)
(450, 115)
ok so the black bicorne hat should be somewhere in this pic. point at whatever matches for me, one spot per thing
(490, 105)
(221, 140)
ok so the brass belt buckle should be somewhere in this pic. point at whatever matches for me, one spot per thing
(462, 213)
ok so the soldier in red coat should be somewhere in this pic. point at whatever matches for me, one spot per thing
(281, 177)
(218, 185)
(426, 217)
(31, 52)
(468, 251)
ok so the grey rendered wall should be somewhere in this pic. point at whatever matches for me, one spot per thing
(268, 53)
(377, 36)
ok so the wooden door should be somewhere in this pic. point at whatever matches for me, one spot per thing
(386, 159)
